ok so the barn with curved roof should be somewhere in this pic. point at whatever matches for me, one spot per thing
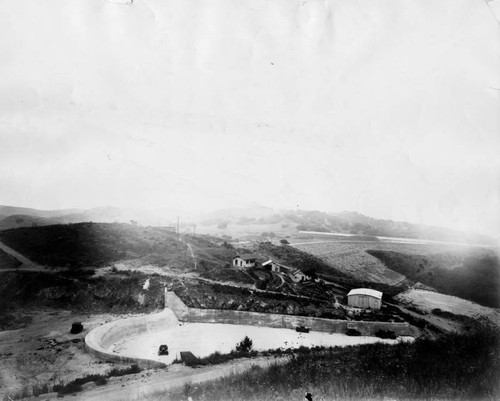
(365, 298)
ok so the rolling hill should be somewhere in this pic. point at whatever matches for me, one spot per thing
(286, 222)
(476, 277)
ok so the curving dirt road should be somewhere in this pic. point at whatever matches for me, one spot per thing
(27, 264)
(147, 383)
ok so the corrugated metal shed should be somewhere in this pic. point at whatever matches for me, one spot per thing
(366, 291)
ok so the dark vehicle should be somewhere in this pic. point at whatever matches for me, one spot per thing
(302, 329)
(76, 327)
(163, 350)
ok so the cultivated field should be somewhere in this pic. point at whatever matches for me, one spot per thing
(428, 300)
(351, 257)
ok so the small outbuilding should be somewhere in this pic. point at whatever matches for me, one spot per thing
(297, 276)
(364, 298)
(244, 260)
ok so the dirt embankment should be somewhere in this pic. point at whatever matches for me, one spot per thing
(117, 292)
(199, 294)
(44, 352)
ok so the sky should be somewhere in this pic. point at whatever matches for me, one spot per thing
(386, 107)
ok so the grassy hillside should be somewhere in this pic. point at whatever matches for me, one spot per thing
(20, 220)
(95, 244)
(121, 292)
(100, 244)
(7, 261)
(293, 257)
(351, 259)
(424, 369)
(477, 278)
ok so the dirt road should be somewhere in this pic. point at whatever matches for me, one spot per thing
(443, 324)
(26, 263)
(139, 386)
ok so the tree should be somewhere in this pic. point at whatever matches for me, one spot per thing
(284, 242)
(245, 346)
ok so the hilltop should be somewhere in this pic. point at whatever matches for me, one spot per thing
(251, 221)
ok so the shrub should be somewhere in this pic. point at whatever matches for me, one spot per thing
(70, 388)
(245, 345)
(353, 332)
(386, 334)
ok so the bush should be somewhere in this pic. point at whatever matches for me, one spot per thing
(101, 381)
(353, 332)
(245, 346)
(389, 334)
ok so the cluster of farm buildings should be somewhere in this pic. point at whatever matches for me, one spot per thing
(364, 298)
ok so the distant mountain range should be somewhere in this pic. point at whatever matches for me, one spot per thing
(16, 217)
(255, 215)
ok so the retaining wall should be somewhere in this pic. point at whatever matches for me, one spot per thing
(186, 314)
(99, 340)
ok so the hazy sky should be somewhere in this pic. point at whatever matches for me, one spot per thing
(387, 107)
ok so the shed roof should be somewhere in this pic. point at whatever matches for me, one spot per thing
(296, 271)
(268, 262)
(246, 257)
(366, 291)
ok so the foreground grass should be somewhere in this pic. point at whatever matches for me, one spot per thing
(72, 386)
(453, 367)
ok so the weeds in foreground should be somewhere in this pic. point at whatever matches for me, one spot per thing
(453, 367)
(72, 386)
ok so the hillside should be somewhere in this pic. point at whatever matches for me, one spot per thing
(122, 292)
(83, 245)
(476, 278)
(285, 222)
(22, 220)
(95, 244)
(6, 211)
(254, 219)
(7, 261)
(351, 259)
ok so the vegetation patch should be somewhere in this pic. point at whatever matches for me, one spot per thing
(242, 350)
(72, 386)
(451, 367)
(476, 279)
(95, 244)
(102, 294)
(8, 261)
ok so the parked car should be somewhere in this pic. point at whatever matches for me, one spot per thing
(163, 350)
(302, 329)
(76, 327)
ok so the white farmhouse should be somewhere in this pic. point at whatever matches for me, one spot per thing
(244, 260)
(365, 298)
